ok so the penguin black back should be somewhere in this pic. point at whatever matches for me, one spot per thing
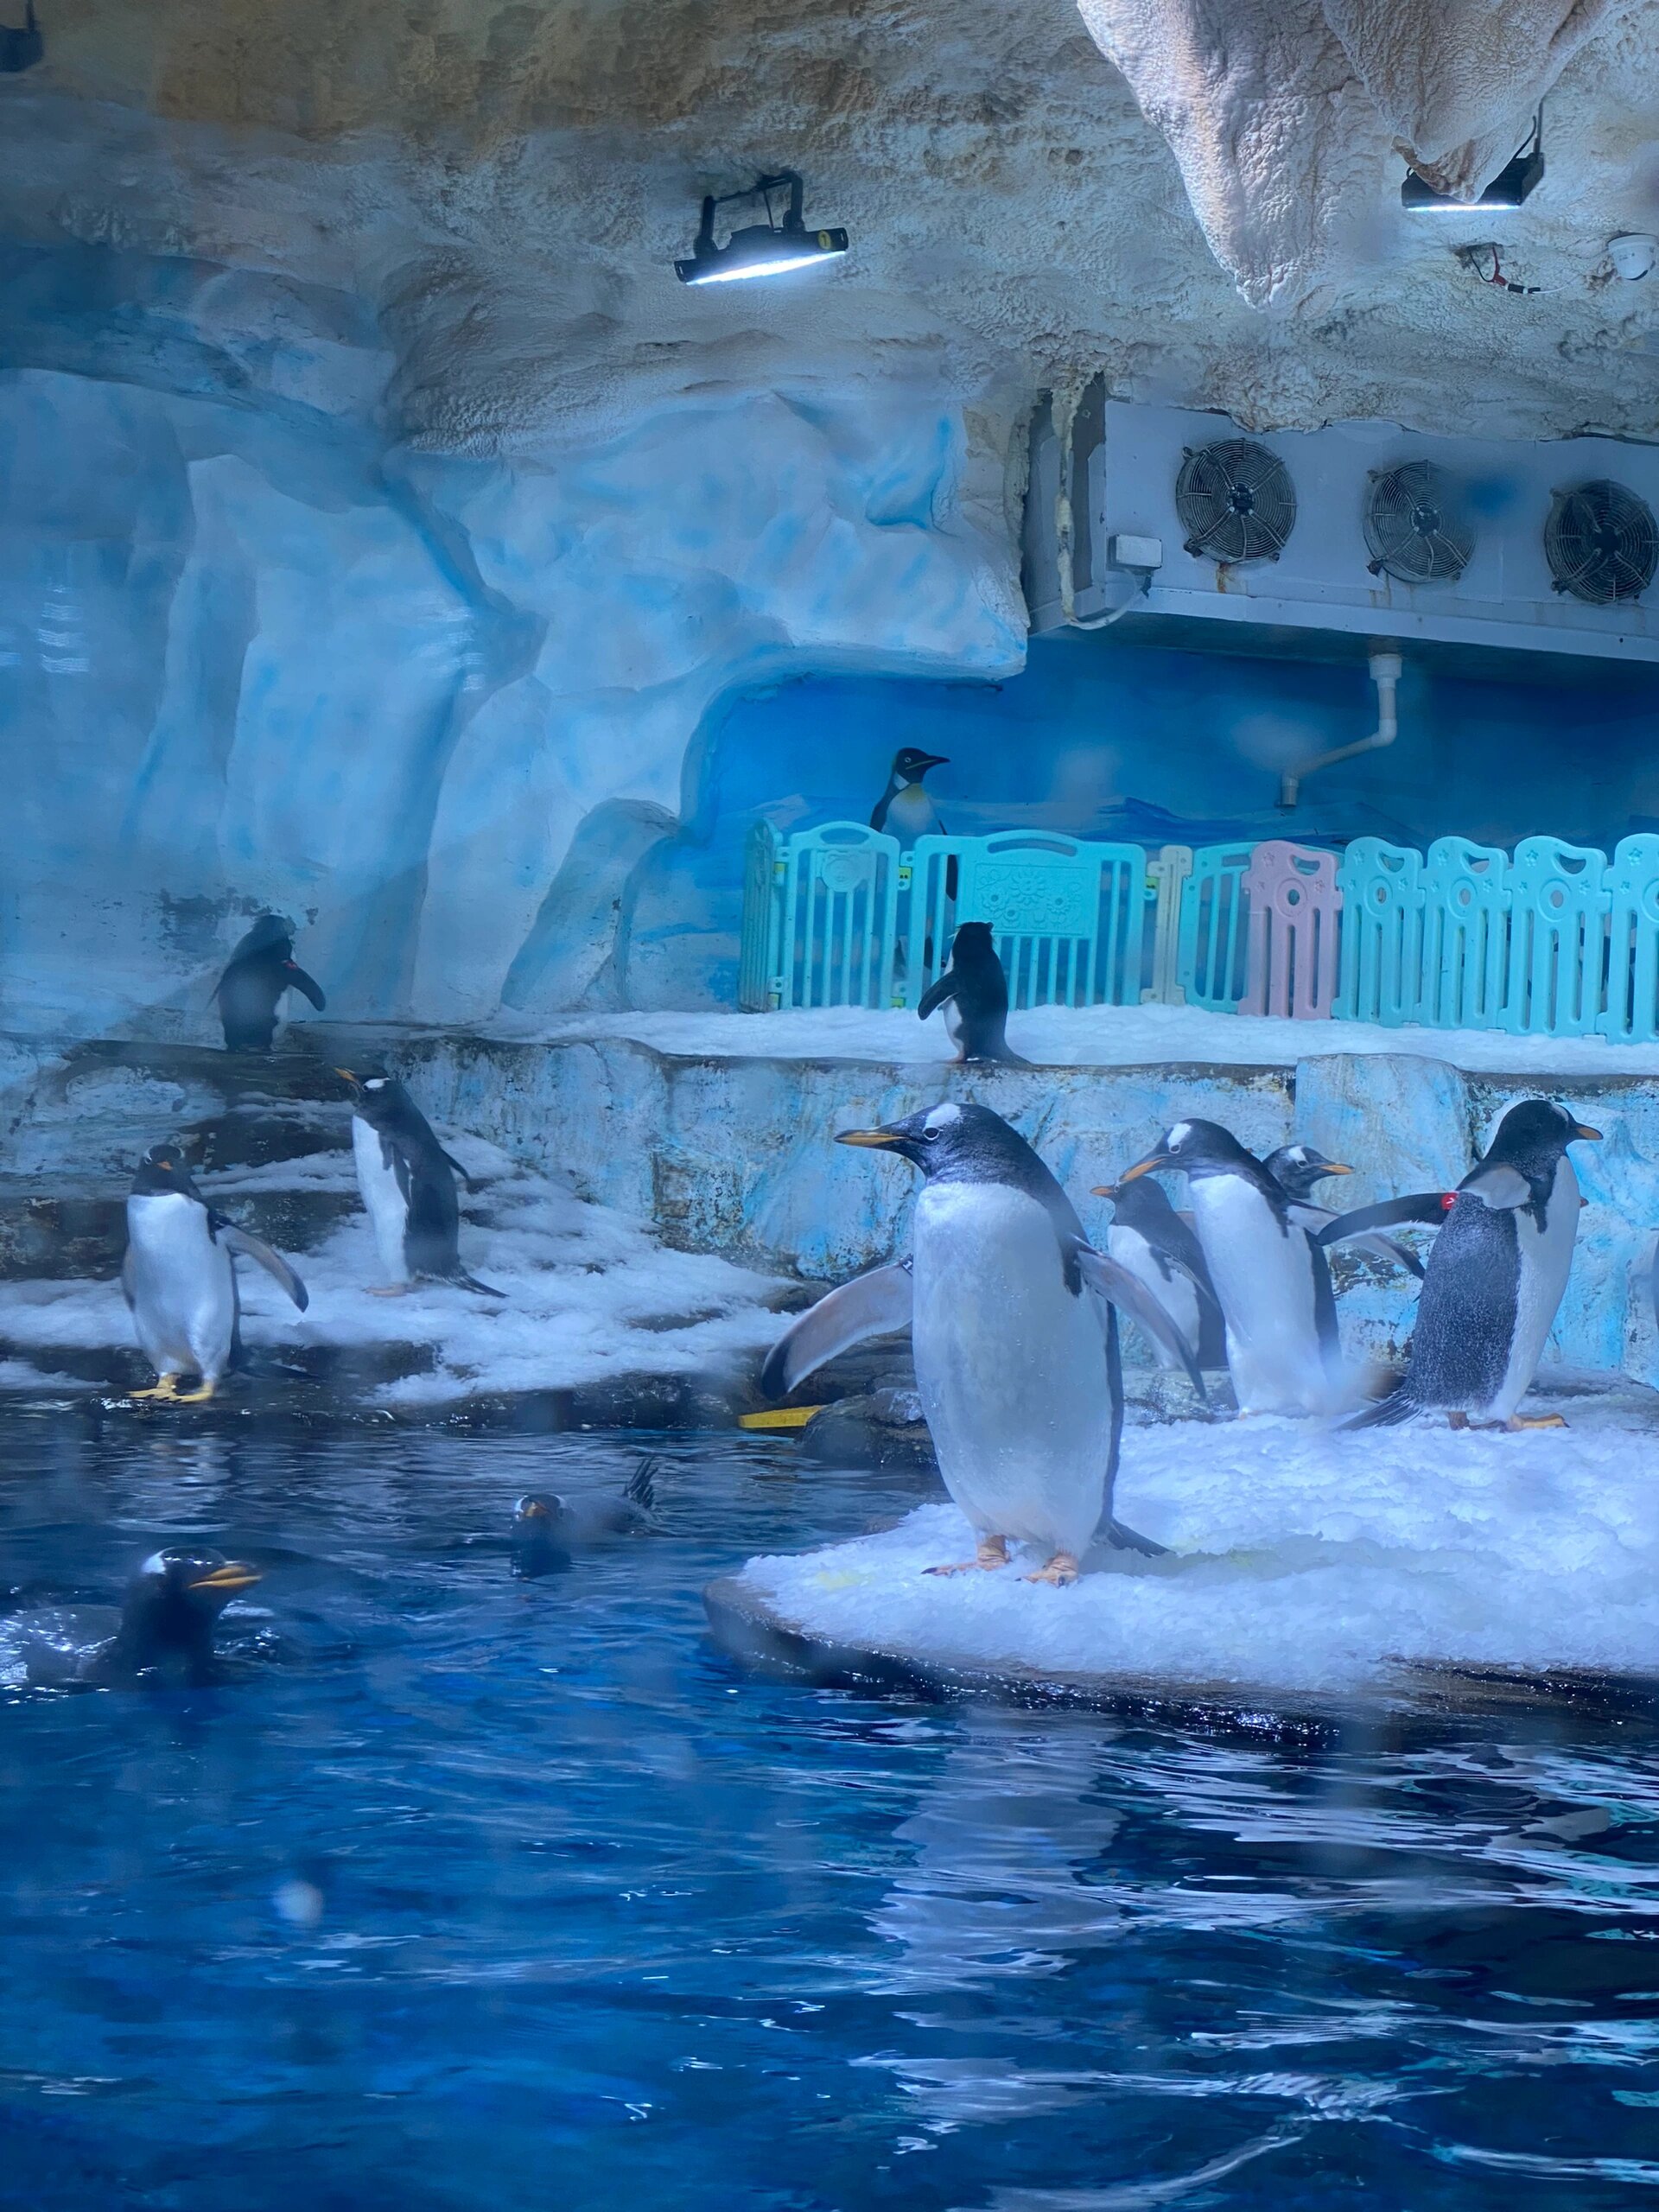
(975, 984)
(259, 971)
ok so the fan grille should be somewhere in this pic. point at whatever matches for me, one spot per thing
(1415, 524)
(1601, 543)
(1235, 501)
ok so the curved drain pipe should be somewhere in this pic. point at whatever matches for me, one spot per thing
(1386, 666)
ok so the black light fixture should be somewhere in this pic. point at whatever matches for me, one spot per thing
(1513, 182)
(764, 249)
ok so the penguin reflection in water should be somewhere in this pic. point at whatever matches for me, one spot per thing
(408, 1182)
(163, 1630)
(1013, 1322)
(257, 973)
(180, 1278)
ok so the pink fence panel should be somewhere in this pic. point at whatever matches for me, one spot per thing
(1294, 950)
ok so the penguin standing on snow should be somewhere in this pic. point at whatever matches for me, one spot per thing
(408, 1182)
(180, 1278)
(260, 969)
(1013, 1318)
(1272, 1281)
(1158, 1247)
(973, 992)
(905, 811)
(1495, 1276)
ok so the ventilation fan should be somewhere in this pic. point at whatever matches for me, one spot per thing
(1235, 501)
(1414, 526)
(1601, 542)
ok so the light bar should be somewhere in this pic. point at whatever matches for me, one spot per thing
(768, 249)
(1506, 192)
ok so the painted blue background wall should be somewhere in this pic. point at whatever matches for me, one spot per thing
(1111, 739)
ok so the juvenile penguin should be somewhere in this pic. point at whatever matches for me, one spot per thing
(165, 1627)
(179, 1277)
(1013, 1318)
(1272, 1283)
(547, 1528)
(260, 969)
(973, 992)
(1494, 1277)
(408, 1182)
(1149, 1238)
(905, 811)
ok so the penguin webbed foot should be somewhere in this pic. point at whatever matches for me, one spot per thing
(993, 1552)
(163, 1390)
(1122, 1539)
(204, 1390)
(1059, 1573)
(1518, 1422)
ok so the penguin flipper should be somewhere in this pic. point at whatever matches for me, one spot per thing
(451, 1162)
(256, 1248)
(878, 1304)
(1115, 1287)
(1500, 1187)
(470, 1282)
(1387, 1412)
(1122, 1539)
(937, 994)
(1427, 1206)
(1390, 1248)
(299, 980)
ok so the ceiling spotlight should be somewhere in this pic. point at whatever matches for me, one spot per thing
(1512, 184)
(764, 249)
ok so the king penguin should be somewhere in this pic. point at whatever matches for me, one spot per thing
(408, 1182)
(905, 811)
(179, 1277)
(973, 992)
(257, 973)
(1013, 1318)
(1158, 1247)
(1495, 1276)
(1270, 1279)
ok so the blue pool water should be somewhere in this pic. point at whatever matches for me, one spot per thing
(463, 1892)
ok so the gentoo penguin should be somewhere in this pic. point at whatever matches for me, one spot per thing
(547, 1528)
(180, 1278)
(1158, 1247)
(1013, 1318)
(1495, 1278)
(1271, 1280)
(165, 1628)
(260, 969)
(973, 992)
(1296, 1168)
(408, 1182)
(904, 809)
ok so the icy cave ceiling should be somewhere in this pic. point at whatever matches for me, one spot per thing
(459, 217)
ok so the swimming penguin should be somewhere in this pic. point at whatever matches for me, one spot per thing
(1296, 1168)
(905, 811)
(165, 1627)
(1158, 1247)
(179, 1277)
(260, 969)
(1273, 1283)
(1014, 1325)
(973, 992)
(547, 1528)
(1495, 1278)
(408, 1182)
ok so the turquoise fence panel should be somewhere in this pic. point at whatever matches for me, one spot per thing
(1557, 939)
(1631, 1014)
(1069, 917)
(837, 917)
(1166, 876)
(757, 958)
(1466, 935)
(1213, 962)
(1381, 933)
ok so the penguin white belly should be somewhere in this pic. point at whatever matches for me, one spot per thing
(1010, 1366)
(910, 814)
(1264, 1279)
(1174, 1292)
(1546, 1257)
(388, 1209)
(181, 1286)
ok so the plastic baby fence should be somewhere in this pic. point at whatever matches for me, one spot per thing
(1382, 887)
(1630, 1014)
(1293, 904)
(1558, 927)
(835, 915)
(1069, 917)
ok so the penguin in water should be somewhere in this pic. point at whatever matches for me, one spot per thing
(1271, 1279)
(1014, 1324)
(1158, 1247)
(547, 1528)
(260, 969)
(165, 1628)
(973, 992)
(179, 1278)
(905, 811)
(1495, 1278)
(408, 1182)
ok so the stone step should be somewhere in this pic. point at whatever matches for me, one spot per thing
(58, 1235)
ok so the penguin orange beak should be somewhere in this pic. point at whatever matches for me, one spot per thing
(1105, 1190)
(1144, 1166)
(345, 1075)
(230, 1577)
(877, 1139)
(1335, 1168)
(1583, 1129)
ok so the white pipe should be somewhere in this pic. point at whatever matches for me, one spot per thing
(1385, 674)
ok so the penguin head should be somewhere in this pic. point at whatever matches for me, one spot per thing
(372, 1095)
(176, 1596)
(537, 1525)
(972, 945)
(1532, 1136)
(910, 764)
(1196, 1148)
(537, 1511)
(954, 1144)
(1297, 1167)
(164, 1169)
(1138, 1202)
(270, 935)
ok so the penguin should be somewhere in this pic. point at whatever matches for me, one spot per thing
(1296, 1168)
(905, 811)
(1271, 1280)
(260, 969)
(1495, 1276)
(1158, 1247)
(165, 1627)
(408, 1182)
(1014, 1324)
(973, 992)
(546, 1528)
(179, 1278)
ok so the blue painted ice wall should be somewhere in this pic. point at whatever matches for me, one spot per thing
(1103, 738)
